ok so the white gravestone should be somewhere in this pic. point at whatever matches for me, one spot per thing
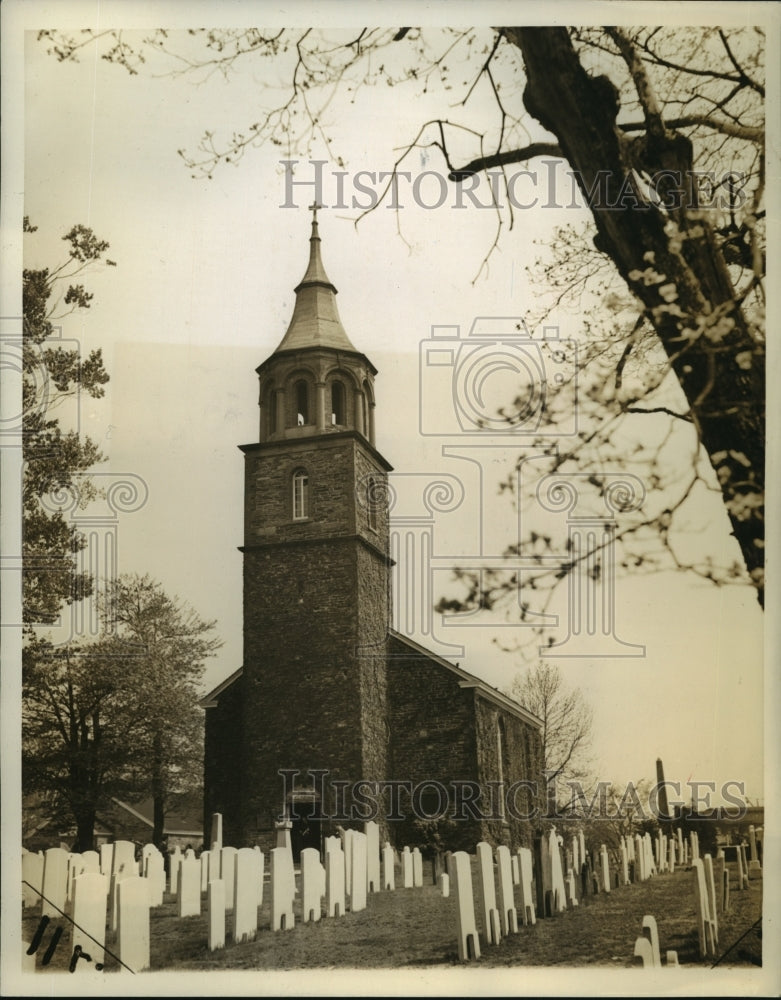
(32, 879)
(651, 932)
(311, 884)
(671, 852)
(417, 868)
(204, 859)
(155, 876)
(91, 861)
(460, 873)
(406, 868)
(215, 905)
(124, 872)
(487, 893)
(753, 865)
(283, 889)
(261, 860)
(704, 924)
(640, 875)
(245, 895)
(507, 915)
(174, 860)
(188, 898)
(624, 863)
(124, 854)
(227, 866)
(444, 884)
(76, 867)
(388, 867)
(334, 878)
(576, 855)
(90, 906)
(710, 885)
(347, 847)
(55, 882)
(372, 832)
(528, 910)
(604, 864)
(133, 923)
(358, 875)
(556, 874)
(215, 839)
(106, 859)
(644, 952)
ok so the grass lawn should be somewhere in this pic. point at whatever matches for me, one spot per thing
(411, 928)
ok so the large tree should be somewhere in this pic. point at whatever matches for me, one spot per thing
(57, 457)
(663, 133)
(168, 644)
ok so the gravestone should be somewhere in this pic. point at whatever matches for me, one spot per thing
(261, 861)
(417, 868)
(575, 853)
(174, 860)
(91, 861)
(744, 864)
(710, 885)
(76, 867)
(624, 863)
(32, 875)
(245, 895)
(124, 854)
(388, 868)
(487, 893)
(640, 858)
(704, 924)
(406, 868)
(651, 931)
(347, 847)
(741, 873)
(311, 884)
(155, 876)
(106, 859)
(124, 872)
(444, 884)
(507, 915)
(556, 873)
(644, 953)
(215, 905)
(671, 854)
(227, 868)
(604, 864)
(215, 837)
(753, 865)
(188, 896)
(55, 882)
(133, 923)
(460, 873)
(528, 914)
(515, 869)
(334, 878)
(679, 848)
(358, 877)
(372, 832)
(204, 859)
(90, 906)
(283, 889)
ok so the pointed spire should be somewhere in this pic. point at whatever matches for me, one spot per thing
(315, 321)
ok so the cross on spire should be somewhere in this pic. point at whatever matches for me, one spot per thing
(313, 209)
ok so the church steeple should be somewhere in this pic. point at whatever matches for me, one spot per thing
(316, 382)
(315, 321)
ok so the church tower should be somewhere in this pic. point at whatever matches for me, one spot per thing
(316, 571)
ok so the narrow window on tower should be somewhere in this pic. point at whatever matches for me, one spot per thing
(302, 403)
(300, 495)
(337, 403)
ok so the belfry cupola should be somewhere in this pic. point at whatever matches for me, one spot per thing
(315, 382)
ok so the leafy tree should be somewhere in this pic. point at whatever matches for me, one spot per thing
(168, 643)
(55, 458)
(567, 723)
(82, 727)
(663, 132)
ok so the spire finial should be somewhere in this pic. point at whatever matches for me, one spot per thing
(313, 209)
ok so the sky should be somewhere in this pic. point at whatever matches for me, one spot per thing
(202, 293)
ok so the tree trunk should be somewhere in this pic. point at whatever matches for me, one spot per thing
(85, 831)
(671, 261)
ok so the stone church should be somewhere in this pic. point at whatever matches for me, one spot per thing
(335, 718)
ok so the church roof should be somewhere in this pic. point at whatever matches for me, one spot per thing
(315, 321)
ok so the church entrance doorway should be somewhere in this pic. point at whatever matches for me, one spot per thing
(306, 823)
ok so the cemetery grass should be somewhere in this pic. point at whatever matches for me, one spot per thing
(417, 927)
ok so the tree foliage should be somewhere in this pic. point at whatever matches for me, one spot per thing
(662, 131)
(56, 458)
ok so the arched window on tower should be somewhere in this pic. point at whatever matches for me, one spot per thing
(300, 495)
(302, 402)
(337, 404)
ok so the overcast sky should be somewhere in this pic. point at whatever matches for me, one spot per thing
(202, 293)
